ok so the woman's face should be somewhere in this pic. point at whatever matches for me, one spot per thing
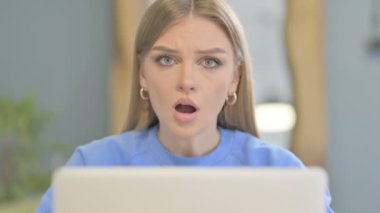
(188, 73)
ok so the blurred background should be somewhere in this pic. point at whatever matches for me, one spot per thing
(64, 64)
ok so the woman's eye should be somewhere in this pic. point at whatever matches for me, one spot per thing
(211, 63)
(165, 60)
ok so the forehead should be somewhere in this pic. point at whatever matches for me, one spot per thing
(197, 31)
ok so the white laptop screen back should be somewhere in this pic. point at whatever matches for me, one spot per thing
(189, 190)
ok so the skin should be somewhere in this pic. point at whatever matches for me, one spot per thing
(193, 60)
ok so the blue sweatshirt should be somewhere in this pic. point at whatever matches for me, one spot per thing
(142, 148)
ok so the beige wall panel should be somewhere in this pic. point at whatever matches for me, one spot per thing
(305, 42)
(127, 16)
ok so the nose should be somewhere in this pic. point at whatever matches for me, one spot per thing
(186, 79)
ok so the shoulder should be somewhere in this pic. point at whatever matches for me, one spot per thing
(111, 150)
(253, 151)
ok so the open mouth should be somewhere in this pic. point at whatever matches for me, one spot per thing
(185, 108)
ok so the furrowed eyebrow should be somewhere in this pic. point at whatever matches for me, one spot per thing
(207, 51)
(212, 50)
(165, 49)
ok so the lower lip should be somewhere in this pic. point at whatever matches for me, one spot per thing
(184, 117)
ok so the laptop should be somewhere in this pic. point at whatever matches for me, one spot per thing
(189, 190)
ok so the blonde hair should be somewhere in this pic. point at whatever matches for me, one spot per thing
(157, 18)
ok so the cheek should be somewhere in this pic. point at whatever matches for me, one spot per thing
(218, 95)
(223, 85)
(159, 95)
(158, 87)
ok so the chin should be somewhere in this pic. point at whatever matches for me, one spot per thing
(187, 130)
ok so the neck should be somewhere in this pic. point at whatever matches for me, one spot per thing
(198, 144)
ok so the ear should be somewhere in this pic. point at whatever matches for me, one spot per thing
(235, 81)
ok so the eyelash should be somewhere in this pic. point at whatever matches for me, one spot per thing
(161, 57)
(217, 62)
(202, 61)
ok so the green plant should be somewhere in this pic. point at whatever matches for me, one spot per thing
(21, 123)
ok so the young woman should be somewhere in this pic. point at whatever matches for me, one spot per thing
(191, 102)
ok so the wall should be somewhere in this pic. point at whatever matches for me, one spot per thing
(353, 105)
(60, 52)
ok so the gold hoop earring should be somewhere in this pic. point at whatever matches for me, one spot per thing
(144, 94)
(231, 99)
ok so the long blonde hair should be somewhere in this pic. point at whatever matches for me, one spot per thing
(157, 18)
